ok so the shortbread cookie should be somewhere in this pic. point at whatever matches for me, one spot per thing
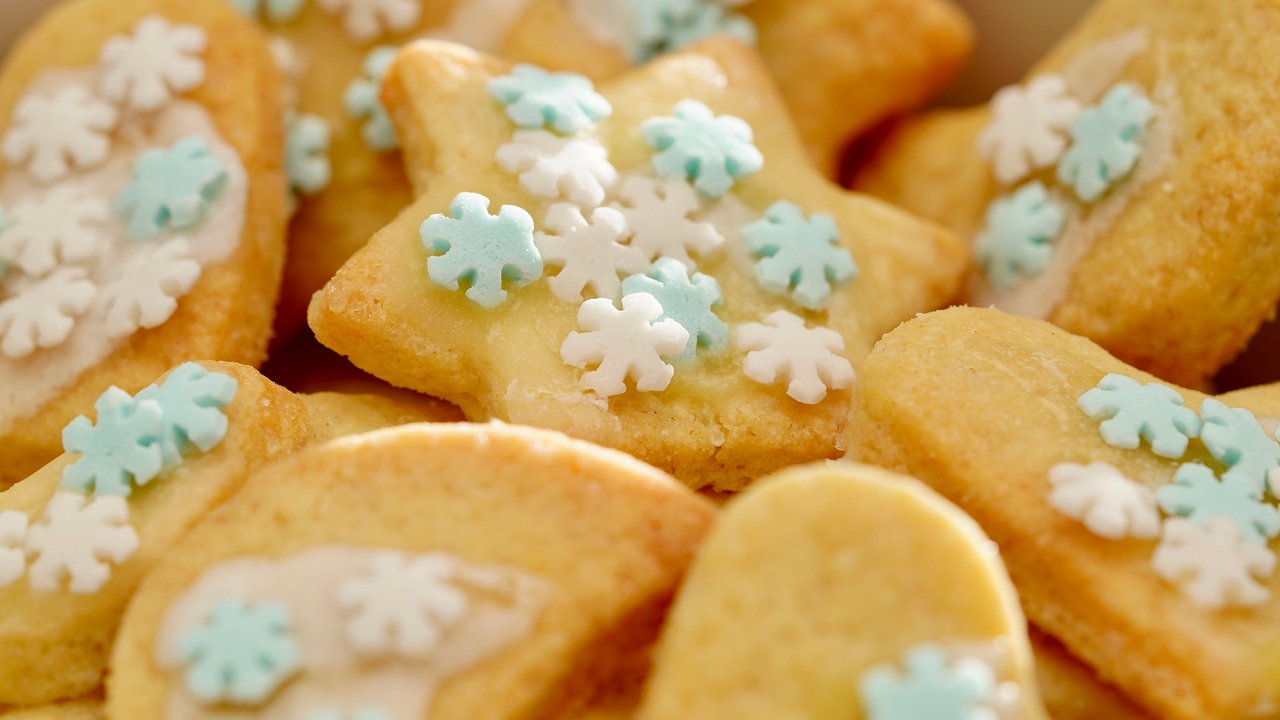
(335, 414)
(1072, 691)
(141, 206)
(443, 571)
(70, 710)
(1134, 516)
(78, 536)
(843, 591)
(749, 286)
(1139, 148)
(842, 66)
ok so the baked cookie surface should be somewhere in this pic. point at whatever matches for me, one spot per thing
(143, 206)
(746, 380)
(1126, 190)
(518, 560)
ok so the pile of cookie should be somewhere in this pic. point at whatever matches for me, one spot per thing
(634, 359)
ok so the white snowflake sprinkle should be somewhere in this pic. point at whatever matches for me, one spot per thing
(59, 225)
(659, 215)
(365, 20)
(590, 254)
(624, 343)
(1108, 503)
(403, 606)
(808, 359)
(1028, 127)
(75, 538)
(13, 539)
(159, 60)
(43, 314)
(1212, 564)
(146, 288)
(51, 134)
(553, 167)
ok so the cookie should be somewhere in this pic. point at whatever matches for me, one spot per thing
(750, 287)
(335, 414)
(841, 590)
(841, 66)
(1072, 691)
(142, 202)
(410, 572)
(70, 710)
(1138, 148)
(1133, 516)
(78, 536)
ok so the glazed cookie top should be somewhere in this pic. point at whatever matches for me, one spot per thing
(649, 249)
(407, 573)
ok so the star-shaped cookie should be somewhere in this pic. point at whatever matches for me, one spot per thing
(1154, 267)
(763, 389)
(1149, 563)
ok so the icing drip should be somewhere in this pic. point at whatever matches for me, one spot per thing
(503, 602)
(27, 384)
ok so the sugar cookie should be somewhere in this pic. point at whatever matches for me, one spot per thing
(1072, 690)
(727, 358)
(335, 414)
(69, 710)
(1133, 515)
(818, 586)
(142, 202)
(413, 571)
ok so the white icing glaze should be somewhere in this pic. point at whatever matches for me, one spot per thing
(481, 24)
(504, 604)
(27, 384)
(1092, 72)
(607, 21)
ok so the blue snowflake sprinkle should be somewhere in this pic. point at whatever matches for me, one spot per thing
(306, 154)
(688, 302)
(694, 144)
(121, 450)
(362, 103)
(1133, 412)
(932, 689)
(480, 248)
(191, 399)
(1106, 142)
(1236, 439)
(800, 255)
(242, 654)
(664, 25)
(171, 188)
(565, 102)
(1197, 495)
(278, 11)
(1017, 243)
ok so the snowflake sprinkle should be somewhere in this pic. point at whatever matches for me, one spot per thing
(361, 101)
(808, 359)
(1236, 439)
(658, 213)
(278, 11)
(1108, 503)
(172, 188)
(1132, 412)
(932, 688)
(242, 654)
(1018, 240)
(403, 606)
(665, 25)
(1107, 142)
(119, 450)
(800, 255)
(630, 342)
(689, 302)
(306, 153)
(191, 399)
(480, 248)
(1028, 127)
(1212, 565)
(53, 133)
(146, 288)
(161, 59)
(576, 169)
(13, 538)
(563, 101)
(710, 151)
(75, 538)
(590, 253)
(63, 224)
(1198, 495)
(43, 314)
(365, 20)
